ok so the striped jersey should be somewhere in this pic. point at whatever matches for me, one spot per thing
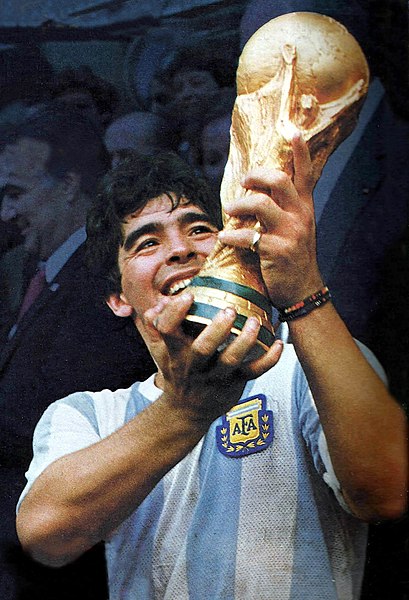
(254, 511)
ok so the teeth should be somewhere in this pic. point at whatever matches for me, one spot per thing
(180, 285)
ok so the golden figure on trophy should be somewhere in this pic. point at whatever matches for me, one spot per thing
(299, 72)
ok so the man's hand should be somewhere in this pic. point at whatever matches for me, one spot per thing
(197, 375)
(285, 210)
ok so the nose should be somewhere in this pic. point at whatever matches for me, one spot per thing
(8, 211)
(181, 250)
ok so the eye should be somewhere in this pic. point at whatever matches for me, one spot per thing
(200, 229)
(146, 244)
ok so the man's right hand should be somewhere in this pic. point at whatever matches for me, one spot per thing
(197, 376)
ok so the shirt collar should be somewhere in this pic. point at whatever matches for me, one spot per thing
(57, 260)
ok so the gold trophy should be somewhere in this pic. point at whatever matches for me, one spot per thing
(300, 71)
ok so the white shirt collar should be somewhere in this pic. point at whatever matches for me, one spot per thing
(57, 260)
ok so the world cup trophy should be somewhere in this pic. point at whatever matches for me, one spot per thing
(300, 71)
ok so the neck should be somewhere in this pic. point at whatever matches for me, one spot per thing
(60, 237)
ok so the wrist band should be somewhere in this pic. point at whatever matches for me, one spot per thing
(300, 309)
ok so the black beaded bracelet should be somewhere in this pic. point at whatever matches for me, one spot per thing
(300, 309)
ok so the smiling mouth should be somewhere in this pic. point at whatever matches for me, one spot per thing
(176, 288)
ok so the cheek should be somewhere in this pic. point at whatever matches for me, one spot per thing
(37, 206)
(207, 245)
(137, 281)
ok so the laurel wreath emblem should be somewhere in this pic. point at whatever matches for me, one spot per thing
(251, 444)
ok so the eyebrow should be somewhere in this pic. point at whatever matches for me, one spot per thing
(157, 227)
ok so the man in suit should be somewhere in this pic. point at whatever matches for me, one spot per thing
(64, 337)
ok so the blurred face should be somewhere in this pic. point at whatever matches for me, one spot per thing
(32, 198)
(140, 134)
(162, 251)
(83, 102)
(215, 149)
(193, 90)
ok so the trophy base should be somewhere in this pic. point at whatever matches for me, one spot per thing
(212, 294)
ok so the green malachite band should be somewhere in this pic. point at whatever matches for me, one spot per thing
(234, 288)
(206, 312)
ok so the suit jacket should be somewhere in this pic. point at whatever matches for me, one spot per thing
(69, 340)
(365, 217)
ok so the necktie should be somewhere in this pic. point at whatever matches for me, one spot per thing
(35, 287)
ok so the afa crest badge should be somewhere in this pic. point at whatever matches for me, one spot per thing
(247, 428)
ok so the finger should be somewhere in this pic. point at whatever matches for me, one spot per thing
(303, 181)
(166, 317)
(244, 238)
(254, 206)
(236, 352)
(275, 184)
(264, 363)
(213, 336)
(150, 317)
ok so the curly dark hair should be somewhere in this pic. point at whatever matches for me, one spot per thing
(126, 189)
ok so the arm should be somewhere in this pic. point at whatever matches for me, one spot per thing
(80, 498)
(366, 430)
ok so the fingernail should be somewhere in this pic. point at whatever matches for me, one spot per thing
(230, 312)
(185, 296)
(253, 323)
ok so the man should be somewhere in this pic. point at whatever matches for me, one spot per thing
(142, 131)
(64, 338)
(198, 81)
(82, 90)
(150, 469)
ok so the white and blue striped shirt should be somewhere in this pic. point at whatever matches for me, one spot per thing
(268, 526)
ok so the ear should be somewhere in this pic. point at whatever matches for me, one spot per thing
(119, 305)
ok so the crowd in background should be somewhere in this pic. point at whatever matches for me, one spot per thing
(362, 242)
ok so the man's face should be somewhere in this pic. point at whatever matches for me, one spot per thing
(31, 197)
(193, 91)
(163, 250)
(82, 101)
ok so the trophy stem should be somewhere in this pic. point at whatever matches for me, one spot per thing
(212, 294)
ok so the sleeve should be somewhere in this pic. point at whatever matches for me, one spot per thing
(62, 429)
(311, 428)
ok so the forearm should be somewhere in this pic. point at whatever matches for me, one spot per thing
(82, 497)
(366, 430)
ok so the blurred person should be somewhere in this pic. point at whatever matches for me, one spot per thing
(217, 453)
(199, 81)
(215, 143)
(142, 131)
(15, 263)
(87, 93)
(63, 337)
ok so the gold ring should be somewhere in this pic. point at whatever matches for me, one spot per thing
(255, 241)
